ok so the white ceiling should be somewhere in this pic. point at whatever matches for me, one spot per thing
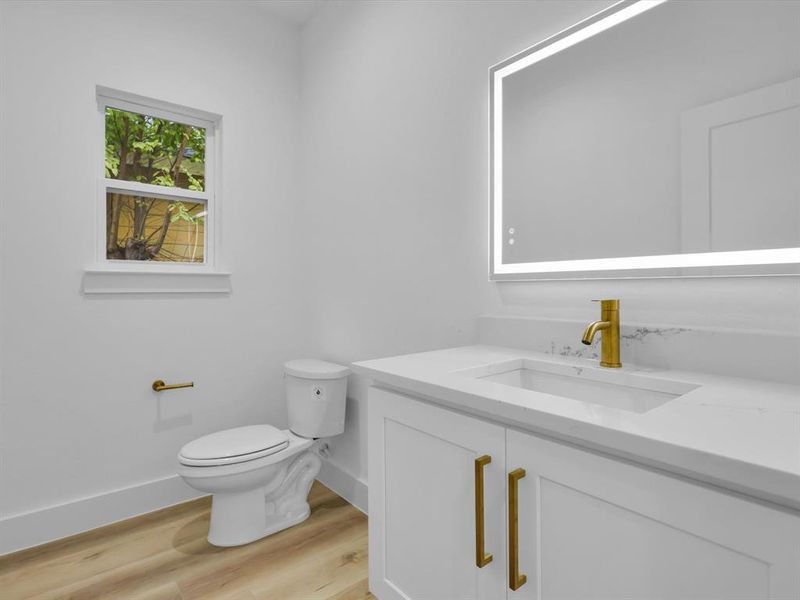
(297, 12)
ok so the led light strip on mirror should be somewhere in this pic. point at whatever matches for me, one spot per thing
(594, 267)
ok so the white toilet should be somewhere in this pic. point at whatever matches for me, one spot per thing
(259, 475)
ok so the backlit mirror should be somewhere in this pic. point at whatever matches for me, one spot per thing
(652, 139)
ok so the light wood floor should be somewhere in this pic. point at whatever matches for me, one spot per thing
(165, 556)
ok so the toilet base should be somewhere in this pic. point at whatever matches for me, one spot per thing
(244, 517)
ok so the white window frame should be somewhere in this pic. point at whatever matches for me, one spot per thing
(211, 122)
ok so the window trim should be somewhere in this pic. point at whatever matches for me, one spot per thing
(211, 122)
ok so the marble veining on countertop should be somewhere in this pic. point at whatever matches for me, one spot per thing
(637, 335)
(740, 433)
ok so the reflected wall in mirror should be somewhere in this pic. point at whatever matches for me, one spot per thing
(653, 135)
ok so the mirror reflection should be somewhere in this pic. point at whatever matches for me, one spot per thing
(677, 131)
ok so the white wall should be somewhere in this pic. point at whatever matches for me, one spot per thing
(391, 233)
(395, 180)
(78, 417)
(395, 177)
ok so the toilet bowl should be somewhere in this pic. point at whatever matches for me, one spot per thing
(260, 476)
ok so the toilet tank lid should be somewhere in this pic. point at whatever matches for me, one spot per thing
(311, 368)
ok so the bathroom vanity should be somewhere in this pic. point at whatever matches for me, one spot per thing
(502, 473)
(651, 139)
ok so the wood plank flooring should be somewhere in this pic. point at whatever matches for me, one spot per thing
(164, 555)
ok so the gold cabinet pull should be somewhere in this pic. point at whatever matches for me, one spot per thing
(515, 579)
(160, 386)
(481, 558)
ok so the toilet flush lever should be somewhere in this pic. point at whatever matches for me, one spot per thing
(160, 386)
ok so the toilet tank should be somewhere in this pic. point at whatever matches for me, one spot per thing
(316, 392)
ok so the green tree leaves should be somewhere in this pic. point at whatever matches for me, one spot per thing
(156, 151)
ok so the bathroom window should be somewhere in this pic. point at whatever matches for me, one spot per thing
(157, 199)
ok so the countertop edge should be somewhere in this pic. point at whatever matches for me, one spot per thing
(757, 481)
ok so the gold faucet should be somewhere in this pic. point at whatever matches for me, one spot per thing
(609, 325)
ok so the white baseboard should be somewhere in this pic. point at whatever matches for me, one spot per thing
(25, 530)
(348, 486)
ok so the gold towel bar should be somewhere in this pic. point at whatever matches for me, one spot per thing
(160, 386)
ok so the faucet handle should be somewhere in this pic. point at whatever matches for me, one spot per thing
(608, 304)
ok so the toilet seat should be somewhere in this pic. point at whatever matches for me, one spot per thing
(232, 446)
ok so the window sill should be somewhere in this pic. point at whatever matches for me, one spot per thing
(110, 281)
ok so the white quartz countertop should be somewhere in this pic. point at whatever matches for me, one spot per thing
(738, 433)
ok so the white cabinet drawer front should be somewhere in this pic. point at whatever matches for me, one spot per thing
(422, 502)
(595, 528)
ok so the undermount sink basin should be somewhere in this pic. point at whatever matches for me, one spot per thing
(608, 387)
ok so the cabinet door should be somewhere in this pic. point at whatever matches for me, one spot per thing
(422, 509)
(596, 528)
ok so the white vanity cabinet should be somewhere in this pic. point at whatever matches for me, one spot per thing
(422, 526)
(590, 526)
(595, 527)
